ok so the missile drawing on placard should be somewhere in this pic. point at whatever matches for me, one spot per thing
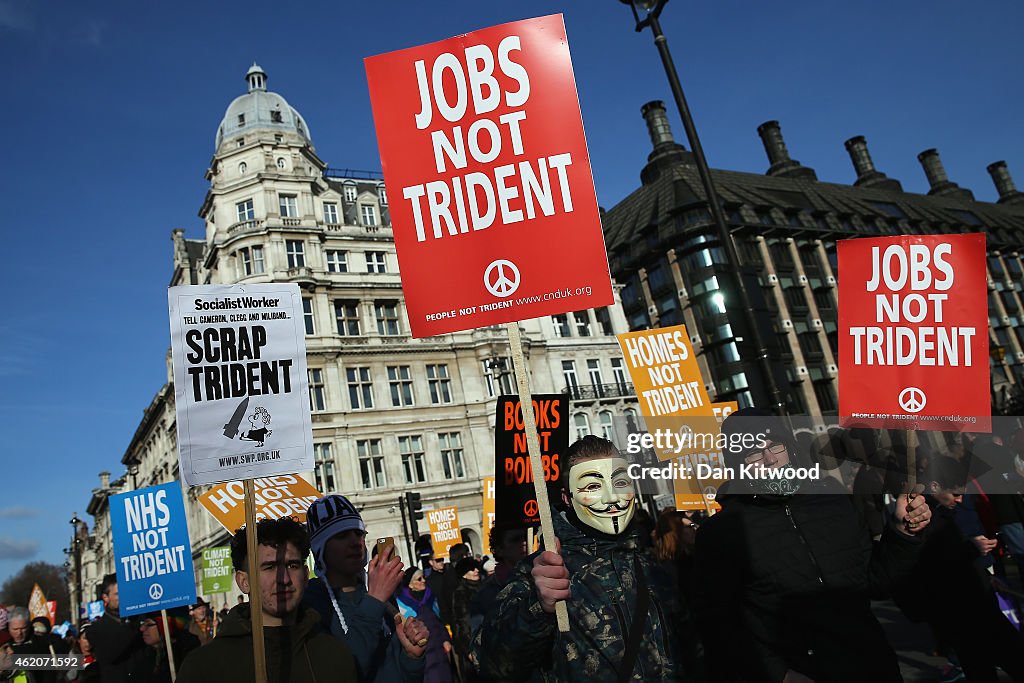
(231, 428)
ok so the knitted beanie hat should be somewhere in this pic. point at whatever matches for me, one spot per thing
(326, 518)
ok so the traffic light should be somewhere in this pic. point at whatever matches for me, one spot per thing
(414, 508)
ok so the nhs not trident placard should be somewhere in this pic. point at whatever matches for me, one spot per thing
(152, 553)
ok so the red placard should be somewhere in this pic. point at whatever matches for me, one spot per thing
(488, 178)
(913, 333)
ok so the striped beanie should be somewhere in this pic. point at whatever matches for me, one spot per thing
(326, 518)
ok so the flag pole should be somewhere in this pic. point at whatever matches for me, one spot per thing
(536, 464)
(255, 600)
(170, 647)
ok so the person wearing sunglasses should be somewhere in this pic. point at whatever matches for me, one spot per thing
(785, 573)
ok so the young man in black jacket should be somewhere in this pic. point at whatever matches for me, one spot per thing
(786, 571)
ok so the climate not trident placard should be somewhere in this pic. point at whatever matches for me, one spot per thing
(152, 553)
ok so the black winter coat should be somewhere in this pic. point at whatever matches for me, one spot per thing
(785, 582)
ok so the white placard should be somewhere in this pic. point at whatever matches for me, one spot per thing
(240, 384)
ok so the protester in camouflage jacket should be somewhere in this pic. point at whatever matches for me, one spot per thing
(519, 638)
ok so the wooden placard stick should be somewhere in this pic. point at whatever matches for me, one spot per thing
(170, 648)
(536, 464)
(255, 600)
(911, 460)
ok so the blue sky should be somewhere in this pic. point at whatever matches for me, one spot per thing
(110, 111)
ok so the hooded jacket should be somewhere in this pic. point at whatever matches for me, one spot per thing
(785, 582)
(300, 653)
(518, 639)
(379, 654)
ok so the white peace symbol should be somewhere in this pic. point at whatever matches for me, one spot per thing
(501, 285)
(913, 400)
(156, 591)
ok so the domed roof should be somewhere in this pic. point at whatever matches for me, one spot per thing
(260, 108)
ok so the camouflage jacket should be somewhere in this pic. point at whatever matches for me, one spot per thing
(518, 641)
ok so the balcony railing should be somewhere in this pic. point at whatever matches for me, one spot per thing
(590, 392)
(245, 226)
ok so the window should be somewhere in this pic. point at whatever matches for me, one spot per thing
(594, 372)
(411, 450)
(607, 428)
(323, 469)
(242, 168)
(382, 193)
(581, 423)
(317, 394)
(657, 279)
(360, 388)
(289, 205)
(307, 315)
(350, 193)
(498, 376)
(387, 317)
(241, 119)
(369, 214)
(569, 373)
(330, 213)
(275, 116)
(245, 210)
(240, 142)
(337, 261)
(561, 322)
(347, 315)
(604, 321)
(400, 384)
(375, 262)
(451, 455)
(371, 463)
(619, 373)
(439, 383)
(252, 260)
(281, 163)
(582, 323)
(296, 253)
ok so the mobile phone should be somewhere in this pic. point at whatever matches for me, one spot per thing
(386, 547)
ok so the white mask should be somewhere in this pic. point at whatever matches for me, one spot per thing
(603, 495)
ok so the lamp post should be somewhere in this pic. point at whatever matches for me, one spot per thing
(646, 13)
(76, 549)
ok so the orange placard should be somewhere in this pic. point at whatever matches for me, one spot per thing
(697, 493)
(37, 603)
(287, 495)
(444, 529)
(488, 511)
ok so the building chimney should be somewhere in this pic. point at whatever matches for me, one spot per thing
(867, 174)
(666, 151)
(778, 155)
(1008, 193)
(657, 124)
(937, 178)
(104, 480)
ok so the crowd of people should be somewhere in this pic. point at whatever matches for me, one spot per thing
(777, 586)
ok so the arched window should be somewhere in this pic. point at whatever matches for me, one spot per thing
(582, 425)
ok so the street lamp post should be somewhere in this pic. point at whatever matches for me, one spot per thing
(646, 13)
(76, 548)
